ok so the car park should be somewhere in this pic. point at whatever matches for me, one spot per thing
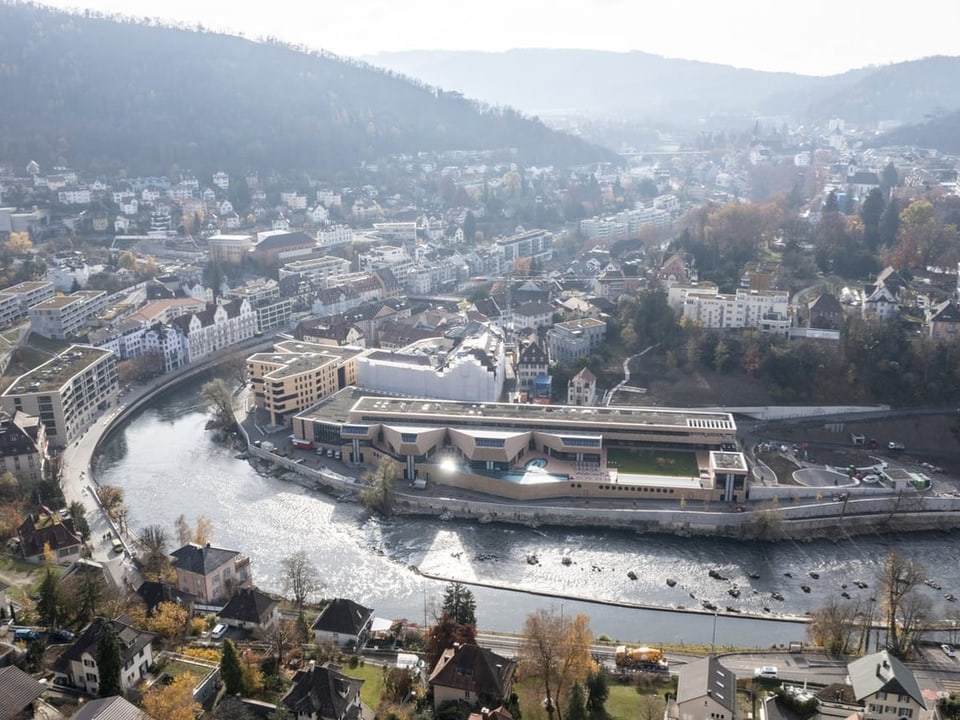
(948, 650)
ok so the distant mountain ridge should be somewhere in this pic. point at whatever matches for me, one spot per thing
(98, 93)
(614, 84)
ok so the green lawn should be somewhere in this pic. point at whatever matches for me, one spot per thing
(653, 462)
(372, 675)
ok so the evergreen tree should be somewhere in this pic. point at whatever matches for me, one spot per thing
(576, 704)
(48, 601)
(870, 213)
(831, 204)
(460, 605)
(231, 670)
(108, 660)
(597, 693)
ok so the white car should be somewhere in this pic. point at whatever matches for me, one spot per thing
(948, 650)
(218, 631)
(768, 672)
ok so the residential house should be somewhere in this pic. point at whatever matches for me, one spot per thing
(885, 687)
(532, 361)
(473, 675)
(44, 532)
(153, 593)
(251, 609)
(943, 321)
(78, 665)
(706, 691)
(23, 446)
(825, 312)
(18, 692)
(678, 268)
(582, 388)
(574, 308)
(110, 708)
(322, 693)
(210, 573)
(344, 623)
(881, 299)
(532, 316)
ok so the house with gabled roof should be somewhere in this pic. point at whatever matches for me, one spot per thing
(46, 530)
(23, 446)
(210, 573)
(706, 691)
(343, 622)
(943, 321)
(251, 609)
(18, 692)
(77, 666)
(885, 687)
(473, 675)
(321, 692)
(110, 708)
(825, 312)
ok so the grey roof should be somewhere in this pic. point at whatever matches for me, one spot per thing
(130, 639)
(110, 708)
(881, 672)
(469, 667)
(324, 692)
(201, 559)
(249, 605)
(17, 691)
(707, 677)
(344, 617)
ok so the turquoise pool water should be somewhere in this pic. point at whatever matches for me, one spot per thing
(536, 462)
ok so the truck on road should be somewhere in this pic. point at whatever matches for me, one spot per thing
(641, 658)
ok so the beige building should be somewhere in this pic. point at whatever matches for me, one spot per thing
(15, 301)
(210, 573)
(582, 388)
(231, 249)
(68, 393)
(297, 375)
(23, 447)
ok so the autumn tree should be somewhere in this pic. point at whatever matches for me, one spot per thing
(834, 625)
(108, 660)
(300, 578)
(111, 497)
(916, 236)
(556, 651)
(79, 516)
(199, 534)
(905, 610)
(172, 702)
(169, 621)
(283, 634)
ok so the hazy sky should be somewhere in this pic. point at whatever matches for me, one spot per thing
(808, 36)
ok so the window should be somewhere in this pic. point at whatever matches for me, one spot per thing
(490, 442)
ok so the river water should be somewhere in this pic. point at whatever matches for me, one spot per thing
(168, 465)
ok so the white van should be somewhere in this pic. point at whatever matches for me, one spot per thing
(218, 631)
(767, 671)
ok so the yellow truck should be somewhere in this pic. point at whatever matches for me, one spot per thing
(641, 658)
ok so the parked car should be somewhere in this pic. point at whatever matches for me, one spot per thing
(948, 650)
(61, 636)
(25, 634)
(218, 631)
(895, 446)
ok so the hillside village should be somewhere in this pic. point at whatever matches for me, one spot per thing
(456, 320)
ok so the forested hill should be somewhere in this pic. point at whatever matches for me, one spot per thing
(103, 94)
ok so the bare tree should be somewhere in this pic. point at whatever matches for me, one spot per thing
(833, 626)
(900, 580)
(184, 531)
(557, 652)
(154, 553)
(300, 578)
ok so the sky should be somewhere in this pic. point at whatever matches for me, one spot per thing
(813, 37)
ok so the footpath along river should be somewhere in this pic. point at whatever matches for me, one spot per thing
(168, 465)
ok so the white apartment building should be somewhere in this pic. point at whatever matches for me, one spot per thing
(397, 232)
(336, 235)
(536, 244)
(216, 327)
(316, 269)
(570, 341)
(293, 200)
(67, 393)
(15, 301)
(165, 342)
(473, 371)
(765, 310)
(64, 316)
(80, 196)
(9, 310)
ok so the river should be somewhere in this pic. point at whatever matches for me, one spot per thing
(168, 465)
